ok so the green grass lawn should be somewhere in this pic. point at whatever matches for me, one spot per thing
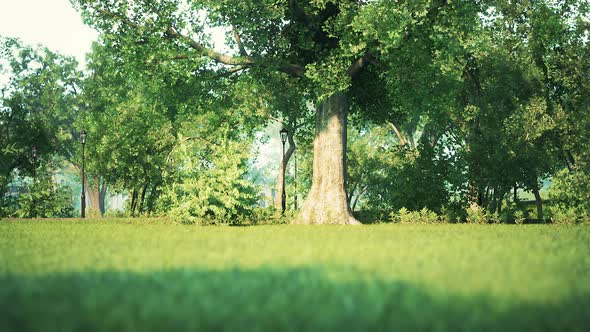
(109, 275)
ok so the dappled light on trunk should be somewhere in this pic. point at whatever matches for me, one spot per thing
(326, 202)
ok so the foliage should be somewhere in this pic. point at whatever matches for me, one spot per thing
(42, 199)
(424, 216)
(454, 104)
(519, 217)
(269, 216)
(208, 181)
(570, 190)
(566, 214)
(388, 176)
(36, 107)
(476, 215)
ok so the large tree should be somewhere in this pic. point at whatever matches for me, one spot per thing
(325, 44)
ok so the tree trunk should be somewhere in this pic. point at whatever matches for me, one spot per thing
(539, 203)
(103, 193)
(142, 200)
(133, 202)
(94, 197)
(327, 201)
(356, 199)
(152, 197)
(283, 170)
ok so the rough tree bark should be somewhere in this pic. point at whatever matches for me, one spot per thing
(96, 197)
(327, 201)
(283, 169)
(142, 199)
(539, 203)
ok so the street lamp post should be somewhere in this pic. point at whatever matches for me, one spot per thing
(284, 134)
(83, 196)
(34, 155)
(295, 176)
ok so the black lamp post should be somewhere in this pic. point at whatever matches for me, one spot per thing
(295, 176)
(34, 157)
(83, 197)
(284, 134)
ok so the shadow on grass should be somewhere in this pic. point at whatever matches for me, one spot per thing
(262, 299)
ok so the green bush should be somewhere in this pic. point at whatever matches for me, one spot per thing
(43, 199)
(493, 217)
(508, 211)
(209, 185)
(476, 214)
(424, 216)
(453, 213)
(519, 217)
(561, 214)
(570, 191)
(271, 216)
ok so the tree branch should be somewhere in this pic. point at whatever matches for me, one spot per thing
(361, 63)
(239, 42)
(213, 55)
(244, 61)
(400, 136)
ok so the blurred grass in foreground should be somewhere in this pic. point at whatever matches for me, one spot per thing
(110, 275)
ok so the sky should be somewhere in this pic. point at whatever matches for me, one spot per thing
(51, 23)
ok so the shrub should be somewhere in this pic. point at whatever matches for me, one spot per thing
(493, 218)
(429, 217)
(476, 214)
(43, 199)
(570, 190)
(519, 217)
(453, 213)
(561, 214)
(210, 184)
(270, 216)
(423, 216)
(508, 211)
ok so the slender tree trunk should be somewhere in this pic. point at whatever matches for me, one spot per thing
(479, 198)
(143, 190)
(472, 193)
(496, 200)
(133, 202)
(154, 192)
(351, 193)
(411, 140)
(327, 201)
(539, 203)
(486, 198)
(283, 170)
(356, 199)
(515, 193)
(101, 198)
(94, 197)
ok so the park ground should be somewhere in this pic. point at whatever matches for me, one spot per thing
(142, 276)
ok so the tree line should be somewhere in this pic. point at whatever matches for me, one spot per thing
(443, 105)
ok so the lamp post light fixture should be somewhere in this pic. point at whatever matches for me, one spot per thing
(83, 196)
(284, 134)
